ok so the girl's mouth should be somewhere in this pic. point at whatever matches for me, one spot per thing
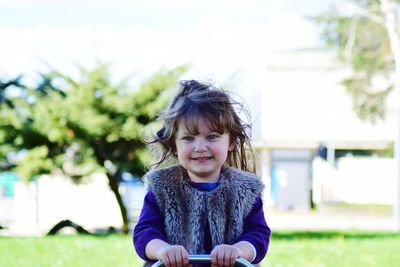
(202, 159)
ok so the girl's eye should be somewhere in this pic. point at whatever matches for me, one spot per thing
(212, 137)
(187, 138)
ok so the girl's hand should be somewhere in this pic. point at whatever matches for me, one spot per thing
(225, 255)
(173, 256)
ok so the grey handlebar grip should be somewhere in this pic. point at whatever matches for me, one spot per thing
(207, 259)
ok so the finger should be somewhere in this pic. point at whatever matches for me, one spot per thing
(214, 258)
(184, 257)
(220, 258)
(172, 261)
(178, 258)
(166, 261)
(232, 258)
(227, 258)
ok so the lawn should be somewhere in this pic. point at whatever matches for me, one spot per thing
(286, 249)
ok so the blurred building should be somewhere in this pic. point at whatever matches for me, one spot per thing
(312, 150)
(313, 147)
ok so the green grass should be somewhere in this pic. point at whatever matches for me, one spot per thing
(71, 250)
(325, 249)
(305, 249)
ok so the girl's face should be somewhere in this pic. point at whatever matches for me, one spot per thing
(203, 154)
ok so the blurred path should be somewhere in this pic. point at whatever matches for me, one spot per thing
(329, 220)
(323, 219)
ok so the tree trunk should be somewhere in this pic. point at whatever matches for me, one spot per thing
(388, 8)
(112, 179)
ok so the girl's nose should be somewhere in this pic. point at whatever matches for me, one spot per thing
(200, 146)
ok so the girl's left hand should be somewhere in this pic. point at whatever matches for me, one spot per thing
(225, 255)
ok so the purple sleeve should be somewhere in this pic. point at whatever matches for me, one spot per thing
(149, 226)
(256, 230)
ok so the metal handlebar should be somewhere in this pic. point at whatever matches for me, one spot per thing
(207, 259)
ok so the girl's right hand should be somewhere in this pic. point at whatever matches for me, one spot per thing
(173, 256)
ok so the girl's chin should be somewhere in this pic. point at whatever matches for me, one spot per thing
(202, 175)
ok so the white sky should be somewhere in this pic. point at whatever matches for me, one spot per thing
(218, 38)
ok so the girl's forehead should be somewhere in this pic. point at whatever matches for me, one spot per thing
(199, 125)
(193, 124)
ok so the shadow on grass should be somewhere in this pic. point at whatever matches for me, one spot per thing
(78, 229)
(289, 235)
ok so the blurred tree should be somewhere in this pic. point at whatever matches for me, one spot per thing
(365, 35)
(82, 126)
(368, 38)
(6, 85)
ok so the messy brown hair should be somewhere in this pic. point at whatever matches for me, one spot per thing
(196, 100)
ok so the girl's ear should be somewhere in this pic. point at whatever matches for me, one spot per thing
(232, 145)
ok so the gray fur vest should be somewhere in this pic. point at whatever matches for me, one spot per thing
(186, 209)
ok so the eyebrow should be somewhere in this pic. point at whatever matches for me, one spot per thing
(209, 132)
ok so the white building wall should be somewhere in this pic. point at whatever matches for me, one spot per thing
(355, 181)
(305, 103)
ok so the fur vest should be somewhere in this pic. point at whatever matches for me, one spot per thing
(185, 209)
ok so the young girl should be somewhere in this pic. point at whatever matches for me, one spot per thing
(209, 203)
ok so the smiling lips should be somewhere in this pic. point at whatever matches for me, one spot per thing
(202, 159)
